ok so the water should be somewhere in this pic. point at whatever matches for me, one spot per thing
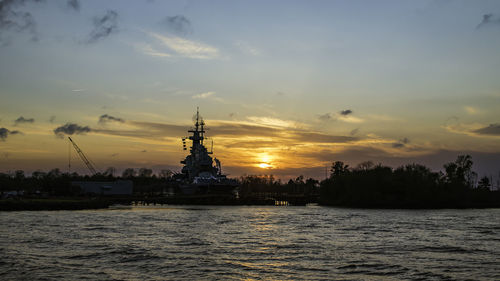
(267, 243)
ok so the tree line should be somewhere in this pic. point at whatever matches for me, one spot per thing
(366, 185)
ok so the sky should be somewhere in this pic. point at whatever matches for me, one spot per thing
(285, 87)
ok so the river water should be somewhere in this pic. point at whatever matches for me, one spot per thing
(250, 242)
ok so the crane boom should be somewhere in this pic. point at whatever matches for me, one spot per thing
(84, 158)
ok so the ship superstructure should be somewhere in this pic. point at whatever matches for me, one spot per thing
(199, 173)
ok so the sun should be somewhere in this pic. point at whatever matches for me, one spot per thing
(264, 161)
(265, 166)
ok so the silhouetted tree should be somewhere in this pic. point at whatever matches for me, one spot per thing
(484, 183)
(145, 172)
(338, 168)
(128, 173)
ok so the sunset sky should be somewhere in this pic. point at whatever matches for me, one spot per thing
(285, 87)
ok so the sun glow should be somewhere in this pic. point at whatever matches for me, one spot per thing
(265, 161)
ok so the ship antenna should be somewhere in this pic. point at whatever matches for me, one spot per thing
(197, 117)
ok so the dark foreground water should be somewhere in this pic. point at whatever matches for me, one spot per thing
(193, 243)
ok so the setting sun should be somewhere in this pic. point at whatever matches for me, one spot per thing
(264, 166)
(264, 161)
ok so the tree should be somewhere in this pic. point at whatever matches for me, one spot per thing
(338, 168)
(128, 173)
(460, 172)
(166, 173)
(364, 166)
(145, 172)
(484, 183)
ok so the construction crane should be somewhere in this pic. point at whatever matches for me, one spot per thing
(84, 158)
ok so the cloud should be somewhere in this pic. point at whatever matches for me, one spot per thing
(107, 118)
(346, 116)
(325, 117)
(203, 95)
(354, 132)
(492, 130)
(471, 110)
(401, 143)
(16, 21)
(52, 119)
(178, 24)
(4, 133)
(346, 112)
(70, 129)
(73, 4)
(144, 151)
(103, 26)
(22, 120)
(475, 129)
(488, 19)
(149, 50)
(187, 48)
(247, 48)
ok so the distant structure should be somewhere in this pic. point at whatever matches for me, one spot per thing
(120, 187)
(199, 175)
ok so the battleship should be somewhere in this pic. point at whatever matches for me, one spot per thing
(199, 175)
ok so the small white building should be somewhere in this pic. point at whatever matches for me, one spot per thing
(120, 187)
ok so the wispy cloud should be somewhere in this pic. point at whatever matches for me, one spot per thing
(187, 48)
(103, 26)
(248, 49)
(401, 143)
(203, 95)
(491, 130)
(14, 20)
(471, 110)
(178, 24)
(475, 129)
(149, 50)
(22, 120)
(73, 4)
(325, 117)
(108, 118)
(489, 19)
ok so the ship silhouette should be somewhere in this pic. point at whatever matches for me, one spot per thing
(199, 175)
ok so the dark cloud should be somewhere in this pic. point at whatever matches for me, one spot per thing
(14, 20)
(106, 118)
(401, 143)
(178, 24)
(321, 138)
(492, 130)
(325, 117)
(22, 120)
(488, 19)
(70, 129)
(4, 133)
(73, 4)
(354, 132)
(144, 151)
(346, 112)
(52, 119)
(104, 26)
(115, 154)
